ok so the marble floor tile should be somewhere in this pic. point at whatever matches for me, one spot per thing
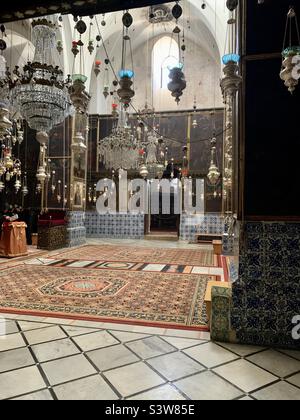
(196, 335)
(282, 391)
(95, 341)
(92, 389)
(154, 267)
(28, 326)
(245, 375)
(207, 386)
(292, 353)
(276, 363)
(182, 343)
(68, 369)
(163, 393)
(73, 331)
(15, 359)
(12, 341)
(200, 270)
(55, 350)
(44, 335)
(20, 382)
(112, 357)
(150, 347)
(125, 337)
(59, 321)
(242, 350)
(210, 355)
(133, 379)
(8, 327)
(175, 366)
(36, 396)
(295, 380)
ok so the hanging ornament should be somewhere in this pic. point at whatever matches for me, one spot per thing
(53, 187)
(59, 197)
(195, 122)
(178, 83)
(59, 47)
(177, 11)
(144, 171)
(232, 4)
(97, 68)
(18, 184)
(213, 173)
(126, 93)
(106, 80)
(81, 26)
(2, 186)
(91, 47)
(290, 72)
(127, 20)
(75, 49)
(115, 113)
(103, 23)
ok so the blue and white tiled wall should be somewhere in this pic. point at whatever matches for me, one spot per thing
(191, 225)
(266, 296)
(76, 228)
(121, 226)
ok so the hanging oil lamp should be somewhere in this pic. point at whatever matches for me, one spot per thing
(290, 72)
(178, 83)
(75, 49)
(59, 192)
(214, 173)
(97, 67)
(91, 47)
(195, 122)
(25, 187)
(126, 93)
(106, 80)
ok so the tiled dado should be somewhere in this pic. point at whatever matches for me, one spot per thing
(266, 296)
(121, 226)
(76, 231)
(192, 225)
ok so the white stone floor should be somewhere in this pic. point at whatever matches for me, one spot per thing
(55, 359)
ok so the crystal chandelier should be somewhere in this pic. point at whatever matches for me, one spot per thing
(120, 150)
(40, 92)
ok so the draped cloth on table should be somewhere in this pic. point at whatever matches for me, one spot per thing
(13, 240)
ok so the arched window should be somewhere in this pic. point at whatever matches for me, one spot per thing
(165, 56)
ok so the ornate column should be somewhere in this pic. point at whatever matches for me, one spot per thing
(78, 168)
(230, 85)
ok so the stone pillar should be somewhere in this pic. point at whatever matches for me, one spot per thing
(78, 168)
(230, 85)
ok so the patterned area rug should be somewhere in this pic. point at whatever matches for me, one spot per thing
(146, 255)
(168, 300)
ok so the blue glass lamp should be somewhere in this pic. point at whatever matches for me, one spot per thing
(126, 73)
(227, 58)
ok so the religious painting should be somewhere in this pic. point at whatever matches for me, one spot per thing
(79, 166)
(78, 195)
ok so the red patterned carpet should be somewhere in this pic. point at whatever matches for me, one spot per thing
(193, 257)
(148, 298)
